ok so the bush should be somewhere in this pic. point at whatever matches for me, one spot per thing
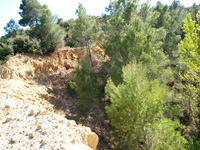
(5, 51)
(1, 62)
(136, 112)
(162, 135)
(194, 144)
(23, 44)
(86, 86)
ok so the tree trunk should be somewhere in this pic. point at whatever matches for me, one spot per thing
(86, 47)
(90, 56)
(89, 52)
(191, 112)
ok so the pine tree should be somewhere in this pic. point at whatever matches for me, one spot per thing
(85, 82)
(128, 38)
(189, 50)
(170, 19)
(31, 11)
(11, 28)
(50, 33)
(42, 23)
(193, 10)
(136, 112)
(83, 33)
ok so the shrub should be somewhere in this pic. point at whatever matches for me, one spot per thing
(194, 144)
(136, 112)
(86, 85)
(162, 135)
(23, 44)
(1, 62)
(5, 51)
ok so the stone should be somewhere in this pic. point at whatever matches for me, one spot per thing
(31, 113)
(13, 140)
(67, 65)
(7, 106)
(9, 119)
(49, 89)
(43, 142)
(92, 140)
(31, 135)
(39, 127)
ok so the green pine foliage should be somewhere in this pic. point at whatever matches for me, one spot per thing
(30, 13)
(194, 144)
(50, 33)
(67, 26)
(1, 62)
(189, 57)
(42, 24)
(136, 112)
(170, 18)
(128, 38)
(189, 49)
(193, 10)
(25, 44)
(11, 29)
(146, 99)
(5, 51)
(86, 86)
(163, 135)
(83, 33)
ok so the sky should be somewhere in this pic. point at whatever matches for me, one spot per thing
(66, 8)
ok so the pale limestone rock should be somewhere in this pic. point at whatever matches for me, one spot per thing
(8, 119)
(25, 112)
(7, 106)
(49, 89)
(13, 140)
(92, 139)
(31, 113)
(31, 136)
(39, 127)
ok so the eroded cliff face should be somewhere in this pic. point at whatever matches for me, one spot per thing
(30, 88)
(30, 77)
(29, 66)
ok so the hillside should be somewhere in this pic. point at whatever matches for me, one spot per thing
(32, 101)
(127, 79)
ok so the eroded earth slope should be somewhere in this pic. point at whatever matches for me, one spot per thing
(32, 100)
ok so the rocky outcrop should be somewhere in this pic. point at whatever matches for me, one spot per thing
(29, 66)
(27, 117)
(26, 126)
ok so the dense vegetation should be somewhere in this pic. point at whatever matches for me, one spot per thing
(43, 35)
(149, 87)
